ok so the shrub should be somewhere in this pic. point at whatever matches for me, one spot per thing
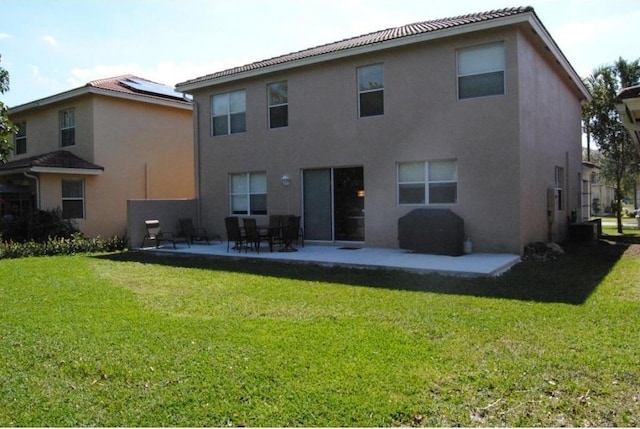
(36, 225)
(60, 246)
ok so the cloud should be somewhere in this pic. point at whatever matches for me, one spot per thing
(50, 40)
(39, 78)
(593, 42)
(166, 72)
(80, 76)
(5, 36)
(171, 73)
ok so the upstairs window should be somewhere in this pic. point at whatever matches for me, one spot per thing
(371, 90)
(278, 104)
(73, 199)
(67, 128)
(481, 71)
(229, 113)
(21, 138)
(434, 182)
(248, 193)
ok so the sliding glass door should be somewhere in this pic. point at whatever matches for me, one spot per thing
(334, 204)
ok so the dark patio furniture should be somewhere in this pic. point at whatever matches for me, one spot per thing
(252, 234)
(277, 224)
(193, 233)
(290, 233)
(234, 233)
(435, 231)
(155, 234)
(274, 230)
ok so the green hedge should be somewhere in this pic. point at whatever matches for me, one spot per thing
(60, 246)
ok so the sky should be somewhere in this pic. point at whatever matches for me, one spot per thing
(53, 46)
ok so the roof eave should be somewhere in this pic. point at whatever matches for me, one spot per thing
(60, 170)
(63, 96)
(526, 17)
(52, 170)
(74, 93)
(17, 170)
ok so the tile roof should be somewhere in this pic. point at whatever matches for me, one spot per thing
(369, 39)
(124, 83)
(124, 86)
(57, 159)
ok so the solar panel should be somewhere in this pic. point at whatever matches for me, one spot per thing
(151, 88)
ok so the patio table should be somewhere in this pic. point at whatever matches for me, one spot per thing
(269, 232)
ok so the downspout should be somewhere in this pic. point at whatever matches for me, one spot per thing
(31, 176)
(146, 181)
(196, 156)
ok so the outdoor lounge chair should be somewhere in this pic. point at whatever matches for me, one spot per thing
(234, 233)
(155, 233)
(191, 233)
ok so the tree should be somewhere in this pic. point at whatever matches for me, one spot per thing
(7, 128)
(603, 124)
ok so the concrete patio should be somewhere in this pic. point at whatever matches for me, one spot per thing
(471, 265)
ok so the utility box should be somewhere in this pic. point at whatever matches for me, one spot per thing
(435, 231)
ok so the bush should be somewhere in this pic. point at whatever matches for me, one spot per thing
(36, 225)
(60, 246)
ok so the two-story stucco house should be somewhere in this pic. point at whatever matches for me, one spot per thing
(478, 114)
(88, 150)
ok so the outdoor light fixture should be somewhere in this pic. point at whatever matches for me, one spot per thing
(285, 180)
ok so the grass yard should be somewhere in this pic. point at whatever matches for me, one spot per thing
(135, 339)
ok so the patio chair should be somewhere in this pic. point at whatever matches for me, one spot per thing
(251, 234)
(276, 225)
(155, 234)
(191, 233)
(290, 233)
(234, 233)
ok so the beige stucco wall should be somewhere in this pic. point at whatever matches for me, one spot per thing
(146, 150)
(550, 136)
(168, 212)
(423, 121)
(43, 128)
(147, 153)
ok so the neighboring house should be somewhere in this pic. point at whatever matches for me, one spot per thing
(89, 150)
(478, 114)
(628, 105)
(600, 195)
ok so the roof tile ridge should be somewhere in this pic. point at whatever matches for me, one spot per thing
(98, 82)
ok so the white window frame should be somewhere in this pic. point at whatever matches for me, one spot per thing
(67, 122)
(73, 198)
(278, 105)
(362, 91)
(229, 112)
(427, 182)
(501, 67)
(246, 193)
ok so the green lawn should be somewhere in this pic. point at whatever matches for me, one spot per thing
(140, 340)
